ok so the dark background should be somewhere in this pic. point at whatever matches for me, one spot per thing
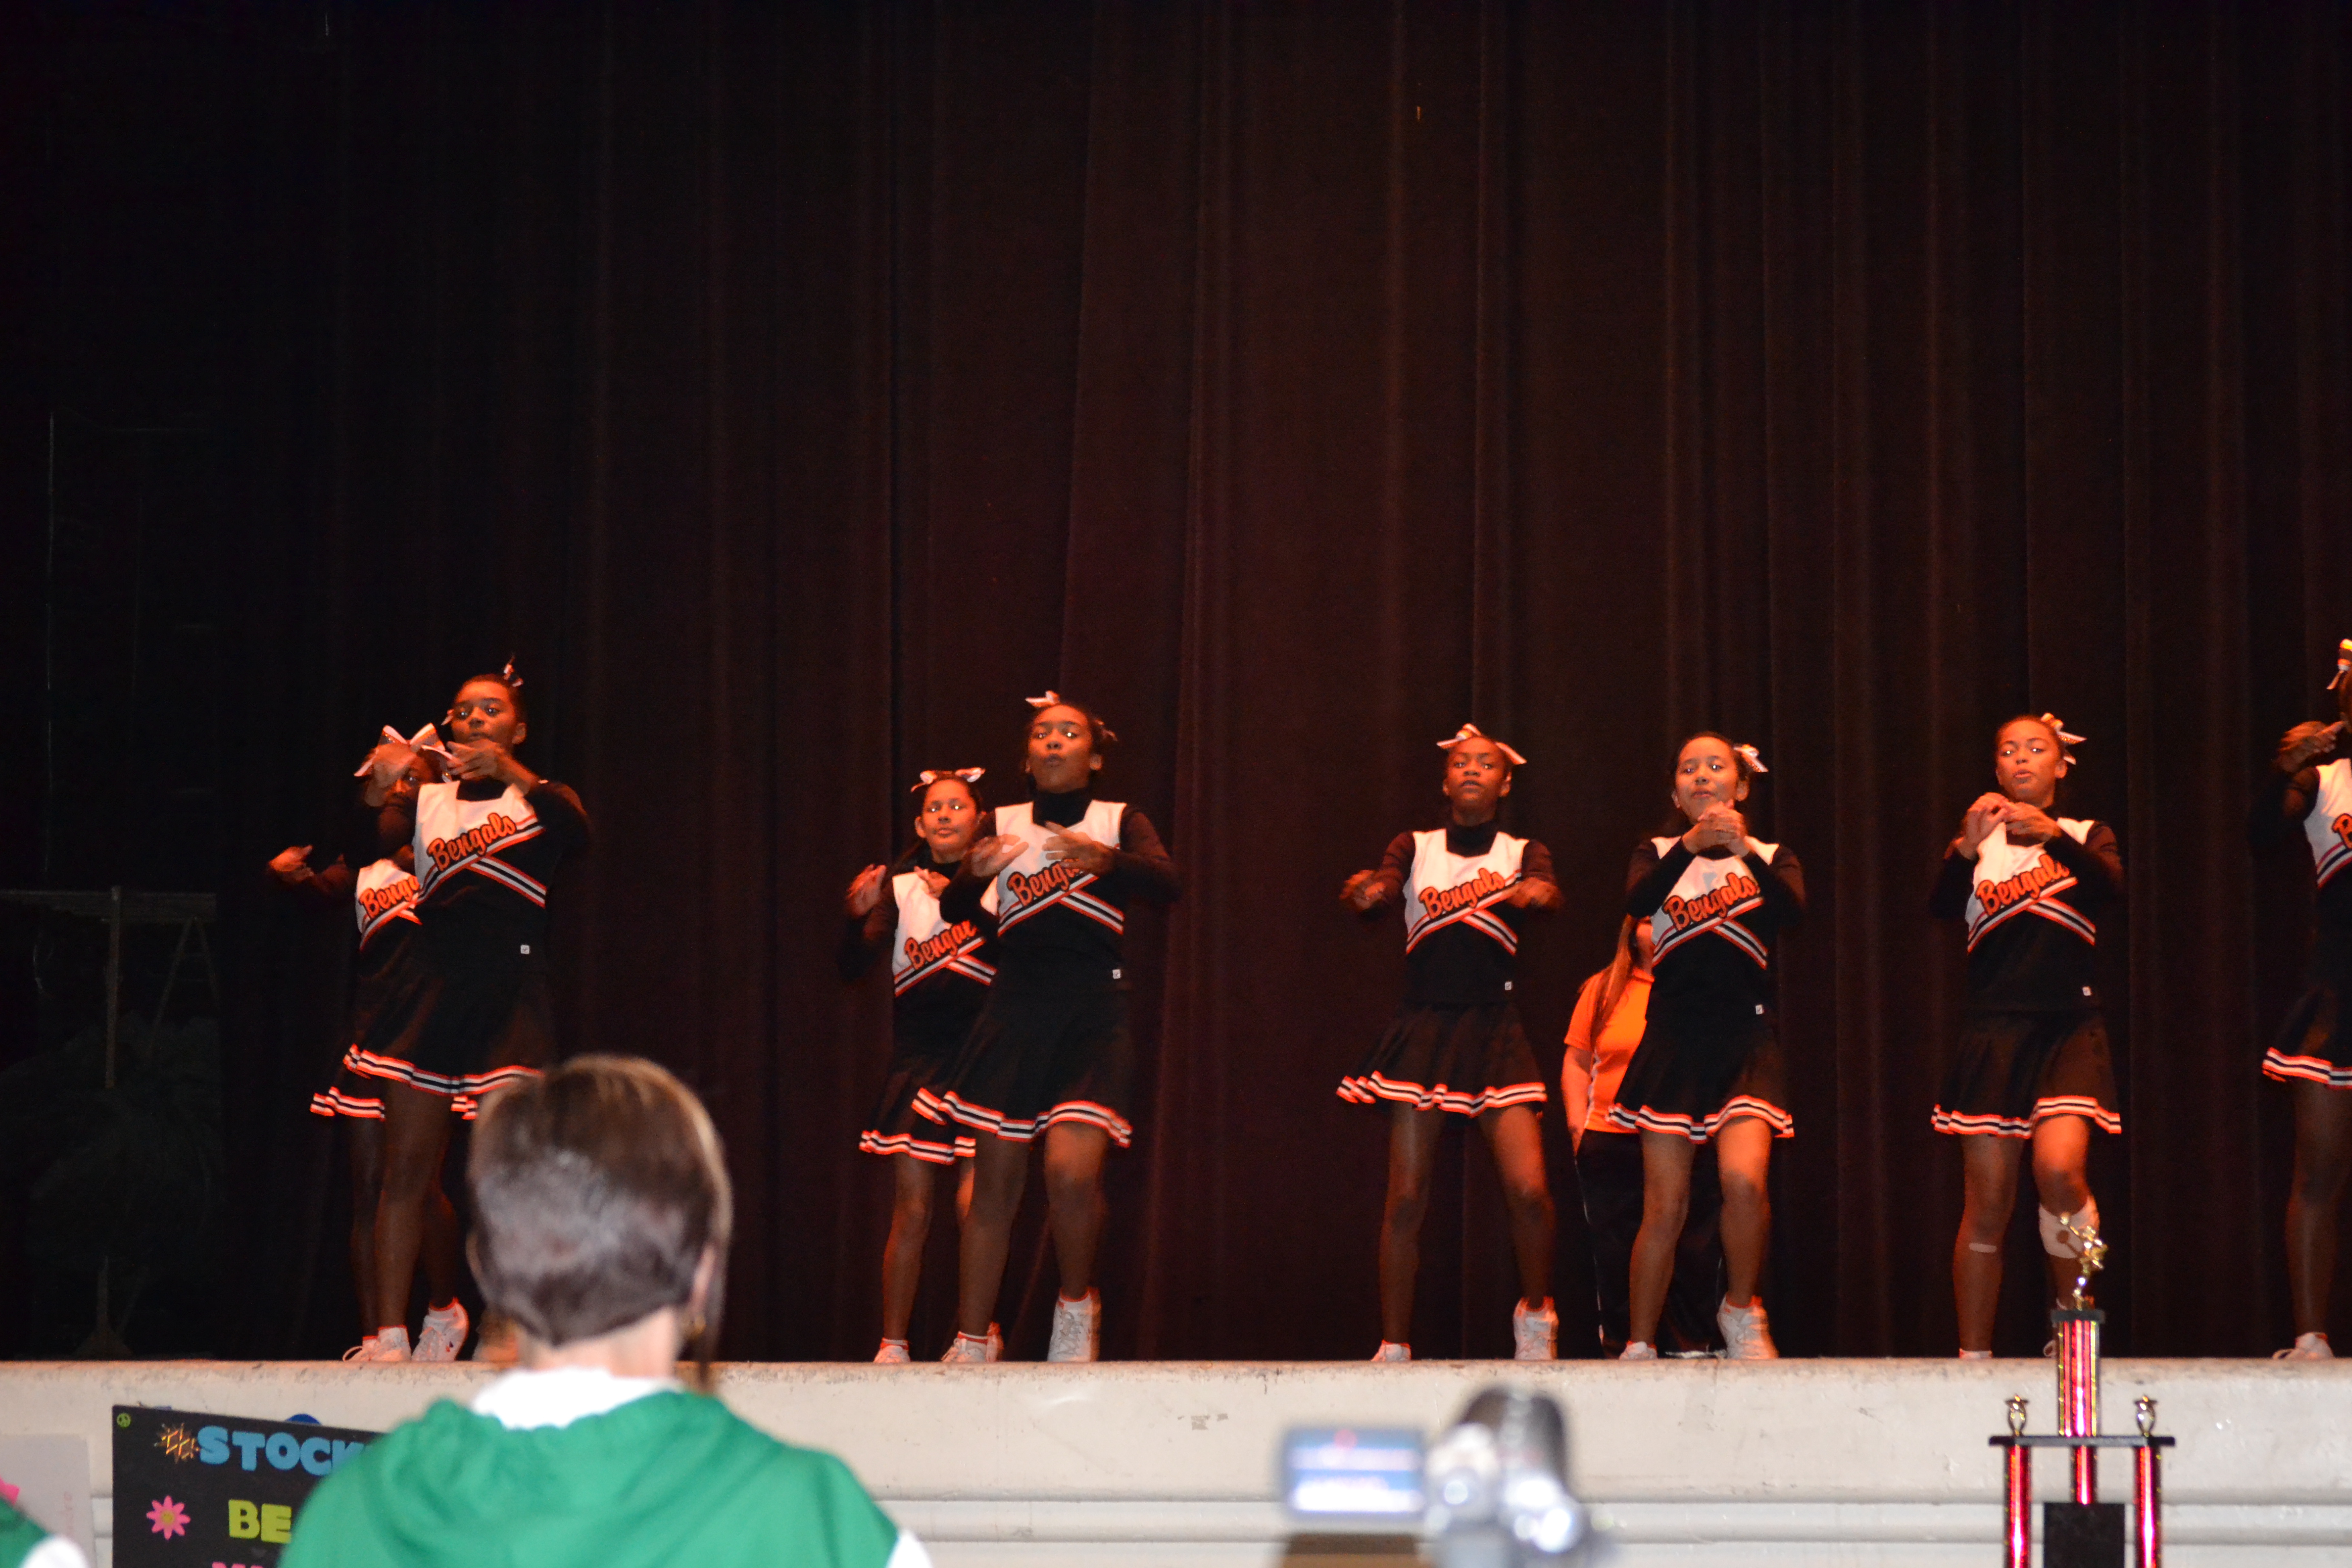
(793, 390)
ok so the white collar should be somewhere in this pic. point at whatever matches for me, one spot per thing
(558, 1396)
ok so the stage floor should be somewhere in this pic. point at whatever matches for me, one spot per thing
(1173, 1463)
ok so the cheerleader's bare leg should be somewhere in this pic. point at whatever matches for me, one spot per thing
(1666, 1159)
(1412, 1151)
(1743, 1158)
(2062, 1154)
(366, 1145)
(902, 1252)
(415, 1136)
(1989, 1184)
(1000, 1171)
(1515, 1136)
(2323, 1158)
(1074, 1201)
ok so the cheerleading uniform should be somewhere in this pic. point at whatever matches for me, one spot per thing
(1709, 1051)
(1456, 1042)
(1051, 1043)
(477, 1018)
(2314, 1044)
(2034, 1044)
(1608, 1179)
(383, 901)
(939, 976)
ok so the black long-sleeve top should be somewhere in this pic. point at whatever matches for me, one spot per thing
(1707, 981)
(1454, 965)
(1057, 943)
(2027, 963)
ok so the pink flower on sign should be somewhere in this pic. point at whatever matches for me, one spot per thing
(168, 1519)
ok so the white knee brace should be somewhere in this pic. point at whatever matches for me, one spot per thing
(2054, 1239)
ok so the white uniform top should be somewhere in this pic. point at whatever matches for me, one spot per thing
(925, 944)
(1444, 888)
(454, 836)
(2328, 824)
(2014, 879)
(1709, 898)
(383, 891)
(1030, 883)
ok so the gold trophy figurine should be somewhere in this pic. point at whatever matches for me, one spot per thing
(2091, 1255)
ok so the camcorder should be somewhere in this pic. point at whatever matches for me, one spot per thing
(1490, 1492)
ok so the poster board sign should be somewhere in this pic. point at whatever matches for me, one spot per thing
(193, 1490)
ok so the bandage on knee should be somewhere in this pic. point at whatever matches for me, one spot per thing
(2054, 1239)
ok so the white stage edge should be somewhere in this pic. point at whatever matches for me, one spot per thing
(1171, 1464)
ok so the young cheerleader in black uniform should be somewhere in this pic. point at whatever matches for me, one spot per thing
(2033, 1062)
(382, 896)
(1709, 1065)
(1050, 1052)
(2314, 1053)
(486, 840)
(939, 975)
(1611, 1011)
(1456, 1043)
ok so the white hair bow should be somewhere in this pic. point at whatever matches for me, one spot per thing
(2343, 663)
(2067, 740)
(428, 738)
(1755, 759)
(928, 777)
(1472, 732)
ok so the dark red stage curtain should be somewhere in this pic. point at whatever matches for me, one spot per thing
(794, 390)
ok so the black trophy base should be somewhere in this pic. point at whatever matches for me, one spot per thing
(2082, 1535)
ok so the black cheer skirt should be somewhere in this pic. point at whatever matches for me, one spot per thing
(2016, 1070)
(475, 1019)
(920, 1050)
(1468, 1060)
(1690, 1079)
(349, 1092)
(1038, 1055)
(2312, 1047)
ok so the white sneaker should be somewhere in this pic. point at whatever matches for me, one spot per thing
(1638, 1350)
(1975, 1355)
(1746, 1335)
(444, 1334)
(965, 1350)
(363, 1351)
(1391, 1354)
(388, 1345)
(1077, 1328)
(892, 1353)
(2306, 1347)
(1535, 1335)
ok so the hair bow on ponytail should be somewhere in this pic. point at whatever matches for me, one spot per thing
(514, 682)
(2067, 740)
(1472, 732)
(1051, 700)
(428, 738)
(930, 776)
(1755, 759)
(2343, 664)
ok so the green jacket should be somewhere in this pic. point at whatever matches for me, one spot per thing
(673, 1478)
(18, 1536)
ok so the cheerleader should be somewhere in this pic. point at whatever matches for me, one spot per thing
(486, 840)
(1049, 1054)
(1611, 1012)
(1709, 1066)
(2314, 1053)
(2032, 1063)
(1456, 1044)
(382, 896)
(940, 974)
